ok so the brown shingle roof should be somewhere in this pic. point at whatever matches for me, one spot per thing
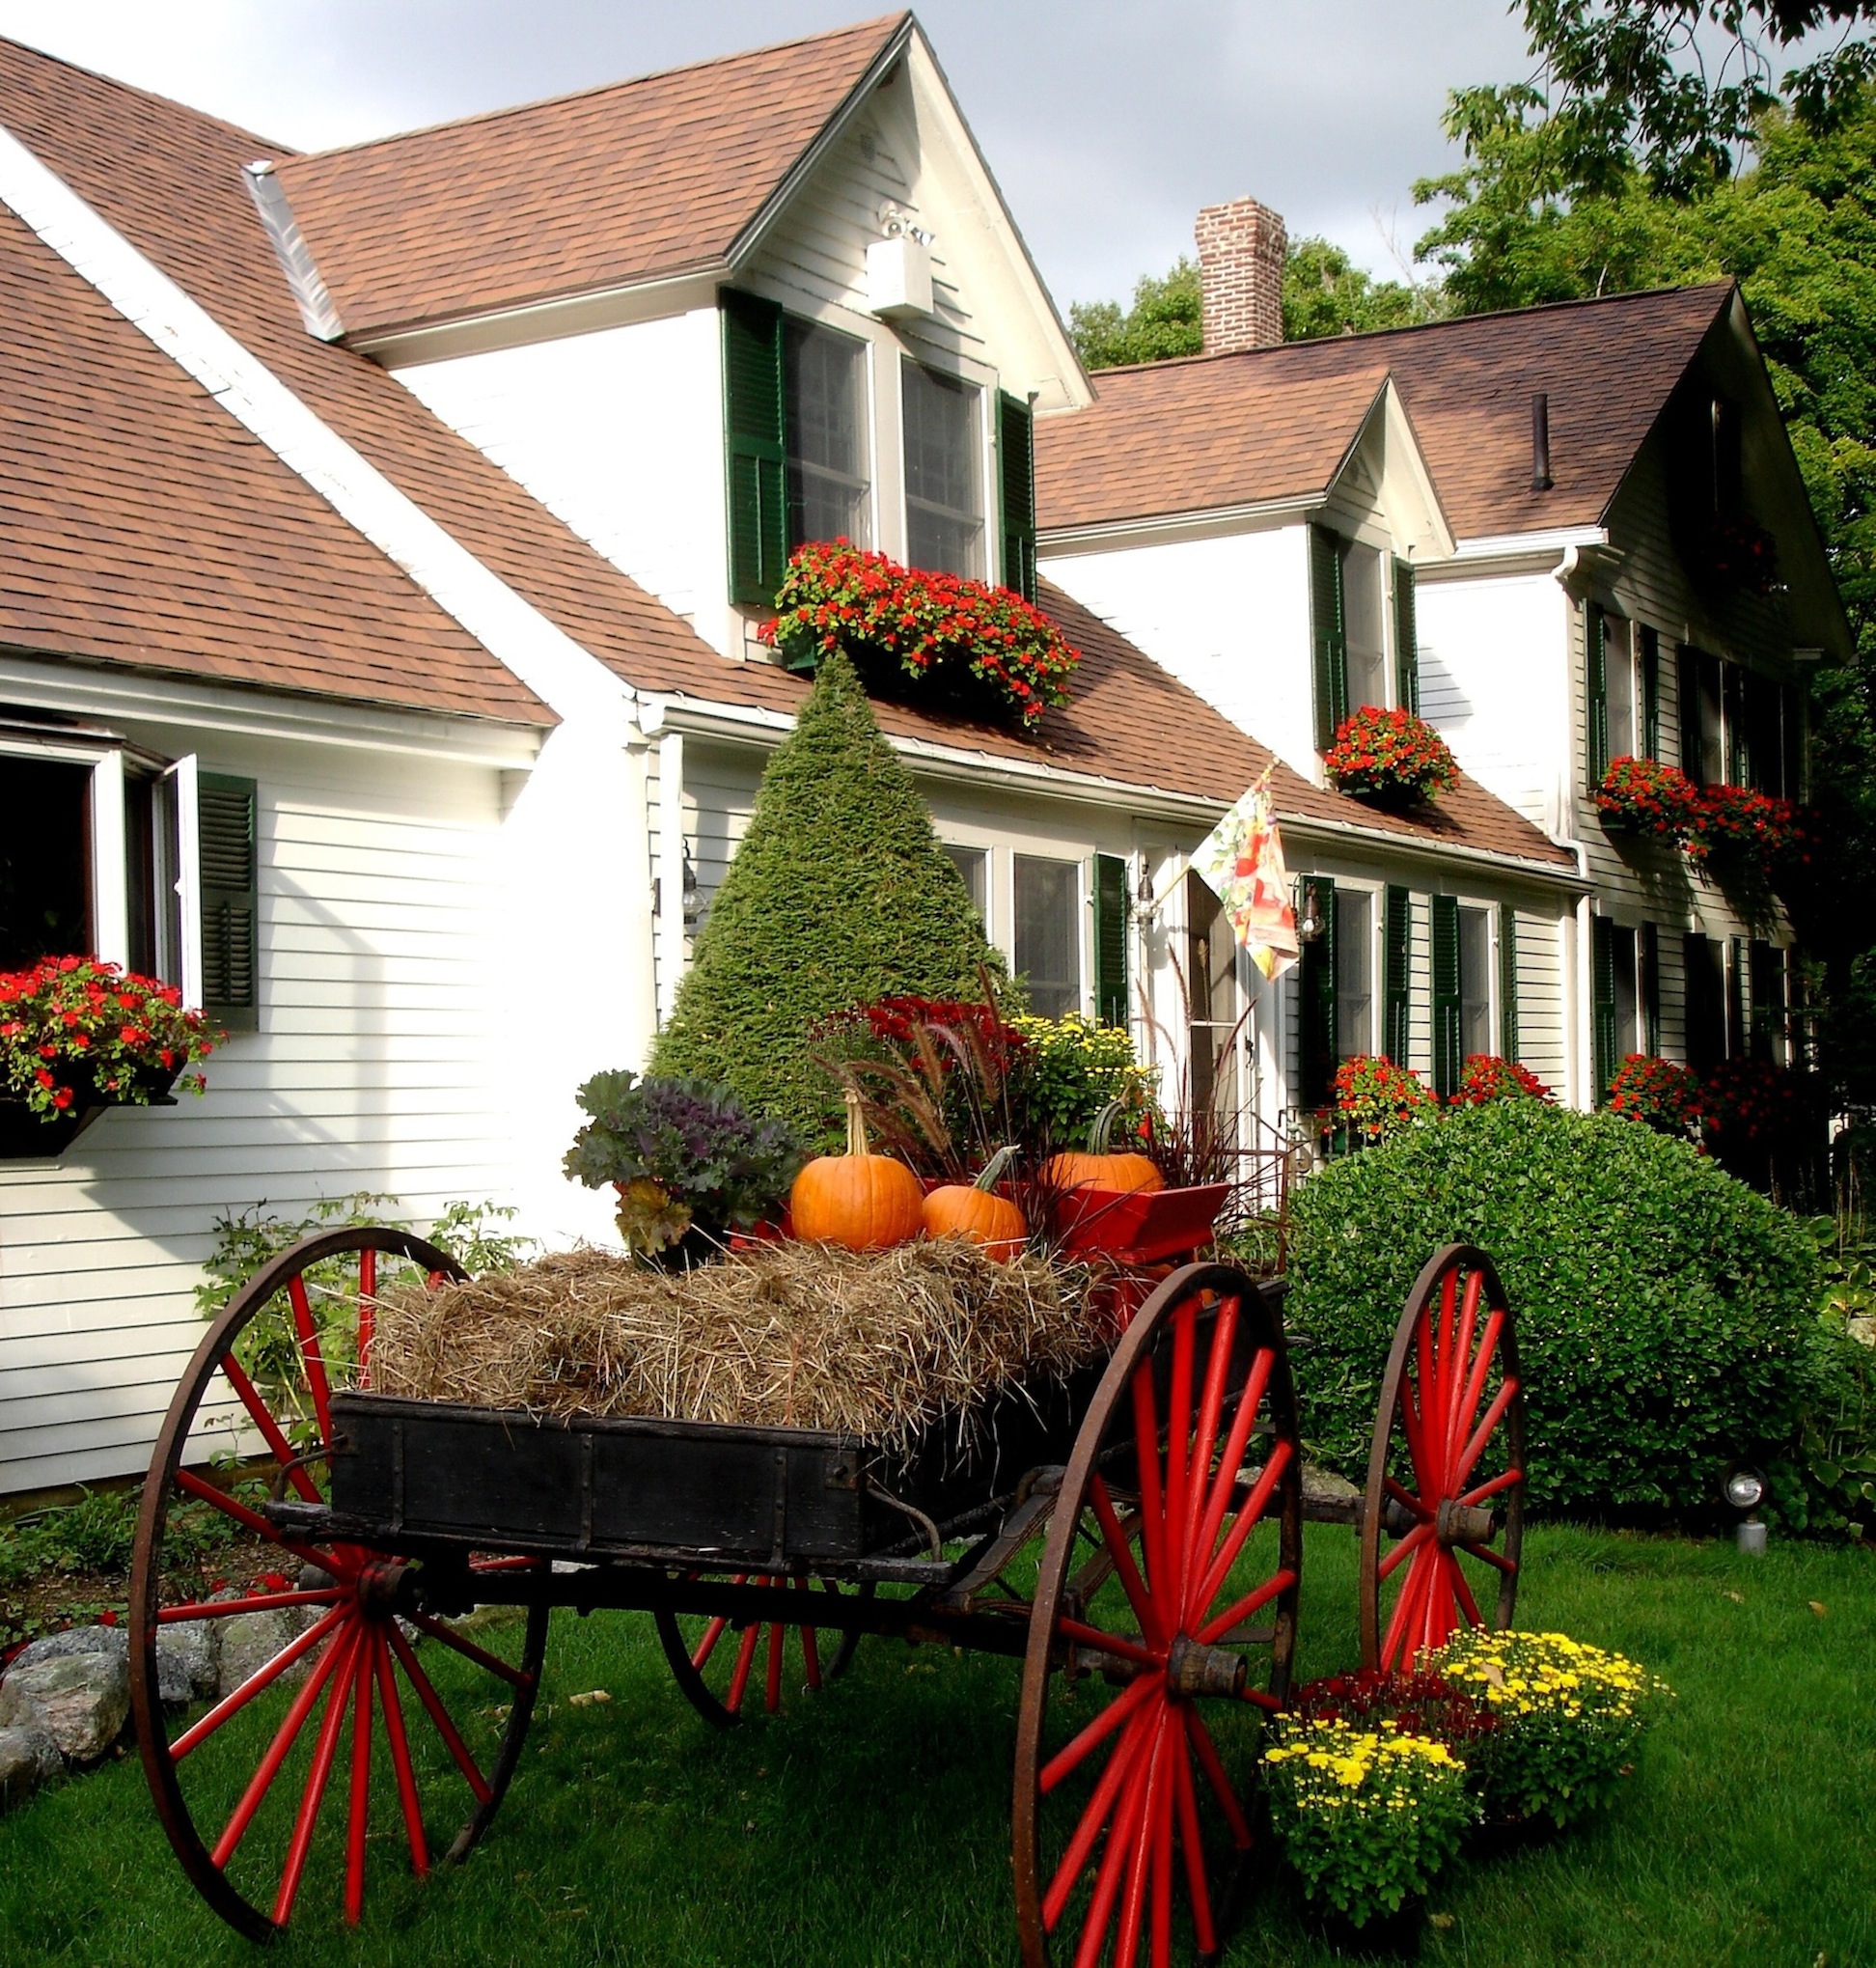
(1608, 367)
(629, 183)
(169, 179)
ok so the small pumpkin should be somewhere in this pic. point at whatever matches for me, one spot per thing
(864, 1200)
(1101, 1168)
(976, 1211)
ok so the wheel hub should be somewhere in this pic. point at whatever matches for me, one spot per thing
(1458, 1523)
(1192, 1669)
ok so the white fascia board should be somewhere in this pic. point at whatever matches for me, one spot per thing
(574, 683)
(744, 724)
(1104, 536)
(1543, 545)
(83, 689)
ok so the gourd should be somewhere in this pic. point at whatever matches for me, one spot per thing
(976, 1211)
(864, 1200)
(1099, 1168)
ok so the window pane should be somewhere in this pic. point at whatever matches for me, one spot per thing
(974, 865)
(44, 883)
(1048, 933)
(1361, 620)
(1475, 983)
(1628, 999)
(943, 494)
(1354, 974)
(828, 454)
(1619, 688)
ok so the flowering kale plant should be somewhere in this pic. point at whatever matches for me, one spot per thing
(1486, 1078)
(1389, 756)
(73, 1029)
(932, 626)
(1377, 1096)
(1646, 797)
(1666, 1096)
(684, 1155)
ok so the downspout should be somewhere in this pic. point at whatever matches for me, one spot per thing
(1583, 1089)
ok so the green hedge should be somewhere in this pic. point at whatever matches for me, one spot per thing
(1663, 1309)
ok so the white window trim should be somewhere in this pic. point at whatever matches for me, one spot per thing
(1377, 894)
(1494, 969)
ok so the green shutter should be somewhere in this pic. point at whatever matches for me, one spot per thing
(1686, 676)
(1736, 725)
(1447, 1039)
(230, 903)
(1507, 957)
(1649, 954)
(1328, 636)
(1602, 1002)
(1650, 693)
(1016, 456)
(1735, 948)
(1406, 640)
(1111, 940)
(755, 445)
(1396, 955)
(1317, 995)
(1596, 692)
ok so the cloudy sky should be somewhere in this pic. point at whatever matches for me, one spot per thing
(1107, 122)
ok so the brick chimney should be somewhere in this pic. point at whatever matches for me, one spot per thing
(1241, 251)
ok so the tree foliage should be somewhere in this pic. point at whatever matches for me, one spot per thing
(840, 893)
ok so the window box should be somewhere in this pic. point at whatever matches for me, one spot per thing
(1389, 758)
(27, 1136)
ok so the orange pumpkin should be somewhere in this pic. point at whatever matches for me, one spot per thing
(864, 1200)
(976, 1211)
(1099, 1169)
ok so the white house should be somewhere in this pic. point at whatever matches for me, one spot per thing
(1497, 520)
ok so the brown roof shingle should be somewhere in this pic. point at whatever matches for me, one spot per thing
(1608, 367)
(628, 183)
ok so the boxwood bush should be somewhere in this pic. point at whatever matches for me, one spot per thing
(1663, 1307)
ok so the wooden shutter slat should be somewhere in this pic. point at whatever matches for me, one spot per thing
(755, 445)
(1317, 992)
(1328, 635)
(1602, 991)
(229, 876)
(1648, 956)
(1447, 1035)
(1111, 913)
(1406, 639)
(1396, 955)
(1507, 954)
(1596, 692)
(1016, 458)
(1652, 692)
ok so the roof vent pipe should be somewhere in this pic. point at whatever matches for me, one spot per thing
(1540, 458)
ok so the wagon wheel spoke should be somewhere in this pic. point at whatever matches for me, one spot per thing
(1443, 1514)
(1127, 1811)
(714, 1656)
(265, 1790)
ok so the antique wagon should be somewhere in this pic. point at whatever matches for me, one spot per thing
(1131, 1535)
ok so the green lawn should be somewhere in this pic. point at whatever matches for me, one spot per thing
(871, 1825)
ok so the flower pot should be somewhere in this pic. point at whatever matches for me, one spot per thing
(1397, 1934)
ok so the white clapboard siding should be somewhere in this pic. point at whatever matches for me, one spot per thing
(1542, 1039)
(1420, 990)
(380, 1066)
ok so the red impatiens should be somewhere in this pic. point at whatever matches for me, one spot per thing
(73, 1029)
(1487, 1077)
(928, 625)
(1735, 822)
(1375, 1095)
(1643, 796)
(1659, 1092)
(1390, 757)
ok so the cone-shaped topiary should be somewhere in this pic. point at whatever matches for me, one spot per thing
(840, 893)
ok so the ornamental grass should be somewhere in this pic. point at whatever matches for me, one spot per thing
(883, 1346)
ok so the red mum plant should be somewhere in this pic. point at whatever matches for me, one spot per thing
(936, 629)
(1415, 1702)
(1645, 797)
(1658, 1092)
(1488, 1078)
(1377, 1096)
(74, 1032)
(1390, 757)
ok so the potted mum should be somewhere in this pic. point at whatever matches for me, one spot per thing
(1392, 758)
(690, 1164)
(78, 1036)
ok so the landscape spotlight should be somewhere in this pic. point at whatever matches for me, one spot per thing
(1745, 1492)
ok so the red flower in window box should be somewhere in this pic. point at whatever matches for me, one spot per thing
(1750, 830)
(1645, 797)
(1377, 1096)
(1657, 1092)
(1487, 1078)
(965, 637)
(1390, 757)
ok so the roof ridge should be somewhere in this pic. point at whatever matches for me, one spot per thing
(250, 137)
(1599, 301)
(884, 21)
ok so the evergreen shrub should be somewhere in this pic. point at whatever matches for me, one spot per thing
(840, 893)
(1663, 1308)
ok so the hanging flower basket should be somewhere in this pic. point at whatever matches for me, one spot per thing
(961, 639)
(1647, 800)
(1391, 758)
(78, 1036)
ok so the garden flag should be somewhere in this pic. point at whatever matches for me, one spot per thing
(1241, 861)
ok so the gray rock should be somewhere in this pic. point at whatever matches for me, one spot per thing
(75, 1640)
(28, 1758)
(80, 1699)
(188, 1660)
(249, 1641)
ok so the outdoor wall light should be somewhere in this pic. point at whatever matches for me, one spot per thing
(692, 896)
(1745, 1492)
(1143, 893)
(1308, 927)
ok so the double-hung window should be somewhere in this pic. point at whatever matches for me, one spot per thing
(1625, 996)
(1335, 984)
(944, 472)
(1363, 635)
(1047, 940)
(825, 394)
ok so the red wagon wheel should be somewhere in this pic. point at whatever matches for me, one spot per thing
(241, 1788)
(716, 1661)
(1446, 1470)
(1165, 1613)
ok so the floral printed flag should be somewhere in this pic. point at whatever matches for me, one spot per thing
(1241, 861)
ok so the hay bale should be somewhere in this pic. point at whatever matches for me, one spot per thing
(883, 1346)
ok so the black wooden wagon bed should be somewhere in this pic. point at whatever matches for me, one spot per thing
(1132, 1535)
